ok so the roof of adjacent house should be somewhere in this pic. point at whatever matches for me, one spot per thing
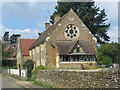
(25, 45)
(12, 50)
(46, 33)
(65, 47)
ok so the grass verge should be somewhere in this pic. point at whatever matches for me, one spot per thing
(16, 77)
(43, 85)
(30, 79)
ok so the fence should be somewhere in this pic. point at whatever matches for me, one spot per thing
(22, 73)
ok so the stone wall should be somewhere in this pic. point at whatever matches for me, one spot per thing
(90, 64)
(100, 78)
(25, 58)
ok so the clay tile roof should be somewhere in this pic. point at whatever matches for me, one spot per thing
(46, 33)
(64, 48)
(25, 45)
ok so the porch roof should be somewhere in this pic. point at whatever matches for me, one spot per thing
(65, 47)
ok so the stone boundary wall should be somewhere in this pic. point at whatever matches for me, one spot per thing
(100, 78)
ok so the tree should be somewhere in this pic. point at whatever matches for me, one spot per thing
(109, 50)
(91, 15)
(14, 38)
(29, 65)
(6, 36)
(0, 55)
(4, 53)
(106, 60)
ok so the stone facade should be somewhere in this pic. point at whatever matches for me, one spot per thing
(38, 55)
(19, 54)
(48, 53)
(23, 50)
(104, 78)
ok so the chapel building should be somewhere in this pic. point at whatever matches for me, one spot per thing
(66, 43)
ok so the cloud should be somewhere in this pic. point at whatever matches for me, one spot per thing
(26, 14)
(111, 9)
(25, 33)
(26, 30)
(113, 33)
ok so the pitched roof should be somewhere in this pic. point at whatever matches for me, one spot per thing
(12, 50)
(46, 33)
(25, 45)
(64, 48)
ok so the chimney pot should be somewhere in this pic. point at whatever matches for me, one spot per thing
(47, 25)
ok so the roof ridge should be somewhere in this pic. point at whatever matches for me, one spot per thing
(74, 43)
(45, 34)
(27, 39)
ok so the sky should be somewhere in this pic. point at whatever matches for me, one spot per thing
(28, 18)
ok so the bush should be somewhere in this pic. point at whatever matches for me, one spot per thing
(39, 68)
(106, 61)
(9, 63)
(109, 50)
(29, 65)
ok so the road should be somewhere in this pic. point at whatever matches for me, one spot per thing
(6, 83)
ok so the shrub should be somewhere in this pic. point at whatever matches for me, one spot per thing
(39, 68)
(29, 65)
(106, 60)
(9, 63)
(109, 50)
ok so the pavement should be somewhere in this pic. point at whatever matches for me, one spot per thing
(23, 84)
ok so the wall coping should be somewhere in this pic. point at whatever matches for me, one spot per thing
(112, 70)
(79, 62)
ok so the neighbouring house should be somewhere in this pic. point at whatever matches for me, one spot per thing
(11, 49)
(23, 46)
(66, 43)
(5, 46)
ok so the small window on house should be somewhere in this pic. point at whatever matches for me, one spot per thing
(78, 49)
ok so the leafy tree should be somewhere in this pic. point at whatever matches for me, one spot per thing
(109, 50)
(0, 50)
(117, 52)
(91, 15)
(4, 53)
(39, 68)
(29, 65)
(14, 38)
(105, 60)
(6, 36)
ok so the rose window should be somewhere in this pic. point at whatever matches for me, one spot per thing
(71, 31)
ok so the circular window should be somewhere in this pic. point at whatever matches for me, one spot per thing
(71, 31)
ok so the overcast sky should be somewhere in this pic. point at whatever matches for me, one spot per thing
(28, 18)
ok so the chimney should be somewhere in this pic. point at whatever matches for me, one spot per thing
(56, 17)
(47, 25)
